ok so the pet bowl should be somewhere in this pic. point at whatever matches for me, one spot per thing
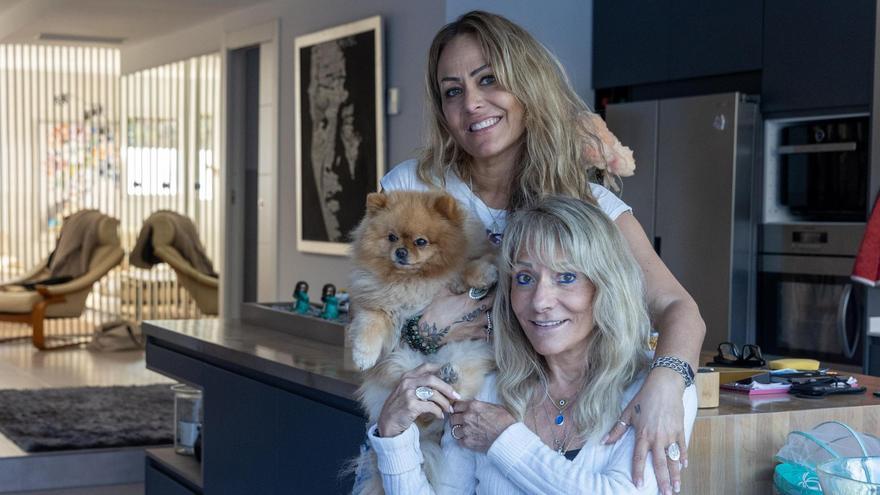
(850, 476)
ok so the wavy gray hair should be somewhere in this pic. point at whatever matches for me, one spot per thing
(570, 235)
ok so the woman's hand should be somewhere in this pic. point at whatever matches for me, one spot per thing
(657, 414)
(477, 424)
(454, 317)
(403, 407)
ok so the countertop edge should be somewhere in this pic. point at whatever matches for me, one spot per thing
(328, 384)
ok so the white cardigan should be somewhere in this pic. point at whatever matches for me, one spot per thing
(518, 461)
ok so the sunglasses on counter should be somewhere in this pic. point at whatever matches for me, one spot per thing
(730, 355)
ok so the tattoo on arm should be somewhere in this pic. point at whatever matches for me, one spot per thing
(431, 334)
(469, 317)
(432, 337)
(638, 409)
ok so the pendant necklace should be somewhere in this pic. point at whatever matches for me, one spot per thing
(558, 443)
(494, 232)
(562, 404)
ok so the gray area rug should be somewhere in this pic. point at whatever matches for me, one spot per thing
(87, 417)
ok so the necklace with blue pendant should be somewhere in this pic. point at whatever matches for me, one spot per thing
(561, 405)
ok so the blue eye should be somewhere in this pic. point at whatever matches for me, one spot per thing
(567, 278)
(523, 278)
(487, 80)
(420, 242)
(449, 93)
(392, 237)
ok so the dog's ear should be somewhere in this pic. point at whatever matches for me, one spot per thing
(375, 202)
(447, 206)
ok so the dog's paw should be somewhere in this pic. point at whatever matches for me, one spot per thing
(458, 286)
(480, 274)
(449, 373)
(365, 356)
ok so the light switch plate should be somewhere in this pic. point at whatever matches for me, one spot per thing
(393, 101)
(874, 326)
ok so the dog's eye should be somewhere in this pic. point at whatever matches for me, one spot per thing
(392, 237)
(421, 242)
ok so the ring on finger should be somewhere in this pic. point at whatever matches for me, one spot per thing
(673, 452)
(424, 393)
(623, 423)
(453, 432)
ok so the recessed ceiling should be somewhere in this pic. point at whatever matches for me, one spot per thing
(105, 22)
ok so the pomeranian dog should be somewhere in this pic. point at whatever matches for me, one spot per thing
(409, 246)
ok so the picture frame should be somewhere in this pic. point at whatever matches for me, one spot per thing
(339, 131)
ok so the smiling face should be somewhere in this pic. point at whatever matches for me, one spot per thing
(485, 119)
(554, 309)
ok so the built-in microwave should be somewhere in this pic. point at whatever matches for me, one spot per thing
(816, 170)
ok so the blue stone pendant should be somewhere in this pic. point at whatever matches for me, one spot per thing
(559, 420)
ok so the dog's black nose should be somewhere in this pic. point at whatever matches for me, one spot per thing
(401, 254)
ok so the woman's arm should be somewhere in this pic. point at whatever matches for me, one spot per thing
(655, 413)
(400, 465)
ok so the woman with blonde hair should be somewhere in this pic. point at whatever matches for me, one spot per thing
(571, 342)
(506, 130)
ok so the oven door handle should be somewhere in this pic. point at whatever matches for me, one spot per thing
(842, 307)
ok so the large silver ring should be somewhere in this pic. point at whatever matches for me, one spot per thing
(453, 432)
(478, 293)
(424, 393)
(673, 452)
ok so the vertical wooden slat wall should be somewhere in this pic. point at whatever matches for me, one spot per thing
(76, 134)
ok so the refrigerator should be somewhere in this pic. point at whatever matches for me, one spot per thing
(692, 193)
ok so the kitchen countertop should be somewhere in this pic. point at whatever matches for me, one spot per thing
(271, 352)
(730, 451)
(316, 364)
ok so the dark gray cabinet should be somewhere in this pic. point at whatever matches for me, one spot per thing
(648, 41)
(817, 54)
(262, 434)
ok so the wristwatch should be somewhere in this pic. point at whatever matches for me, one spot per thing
(680, 366)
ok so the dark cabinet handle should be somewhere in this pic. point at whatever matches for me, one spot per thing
(136, 184)
(166, 185)
(657, 245)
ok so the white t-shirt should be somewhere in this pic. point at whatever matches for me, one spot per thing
(518, 461)
(404, 177)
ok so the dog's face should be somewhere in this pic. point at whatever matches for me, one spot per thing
(408, 233)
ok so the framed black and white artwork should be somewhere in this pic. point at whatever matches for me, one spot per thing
(339, 122)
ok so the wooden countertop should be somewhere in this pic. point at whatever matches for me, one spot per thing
(732, 403)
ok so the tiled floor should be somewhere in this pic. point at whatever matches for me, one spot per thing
(24, 367)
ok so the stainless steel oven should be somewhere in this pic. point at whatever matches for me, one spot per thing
(806, 304)
(817, 169)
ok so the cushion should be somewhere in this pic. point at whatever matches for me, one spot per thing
(18, 301)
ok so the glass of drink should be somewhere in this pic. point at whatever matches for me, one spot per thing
(187, 418)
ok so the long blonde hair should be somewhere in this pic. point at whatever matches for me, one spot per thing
(551, 160)
(567, 234)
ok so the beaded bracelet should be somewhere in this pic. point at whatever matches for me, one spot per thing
(412, 337)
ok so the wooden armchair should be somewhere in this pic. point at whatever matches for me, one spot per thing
(64, 300)
(171, 235)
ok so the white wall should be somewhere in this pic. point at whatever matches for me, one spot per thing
(564, 26)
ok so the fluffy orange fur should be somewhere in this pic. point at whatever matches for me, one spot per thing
(408, 215)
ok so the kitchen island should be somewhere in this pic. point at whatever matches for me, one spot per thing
(280, 413)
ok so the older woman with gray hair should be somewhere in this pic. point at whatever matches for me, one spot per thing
(571, 342)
